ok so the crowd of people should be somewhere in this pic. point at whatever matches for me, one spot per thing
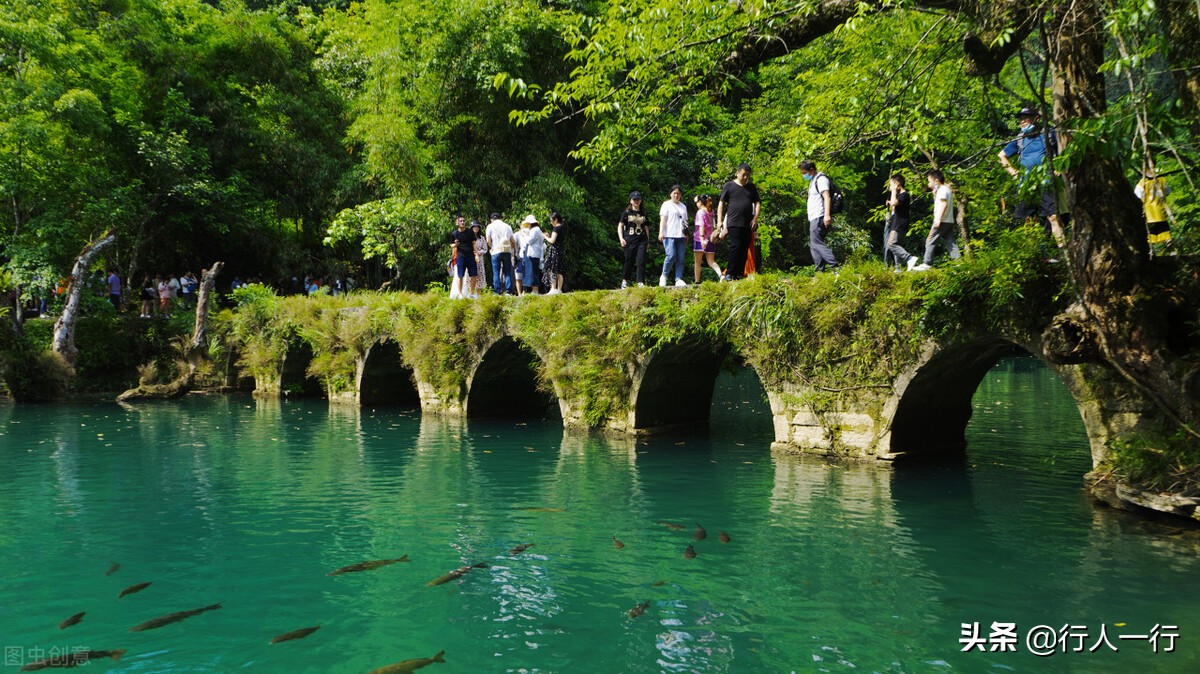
(526, 260)
(532, 260)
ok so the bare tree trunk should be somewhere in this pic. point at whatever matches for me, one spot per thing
(64, 327)
(200, 332)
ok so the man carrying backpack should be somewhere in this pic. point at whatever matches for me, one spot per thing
(820, 215)
(1035, 146)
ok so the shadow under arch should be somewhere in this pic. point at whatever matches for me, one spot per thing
(504, 384)
(674, 390)
(294, 380)
(384, 379)
(931, 416)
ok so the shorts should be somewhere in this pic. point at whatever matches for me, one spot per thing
(466, 263)
(710, 248)
(1045, 209)
(1159, 232)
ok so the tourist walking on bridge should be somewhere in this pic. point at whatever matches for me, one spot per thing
(944, 226)
(820, 215)
(898, 205)
(1153, 191)
(503, 244)
(555, 262)
(532, 245)
(114, 289)
(462, 242)
(672, 221)
(481, 249)
(633, 231)
(738, 210)
(1036, 147)
(704, 245)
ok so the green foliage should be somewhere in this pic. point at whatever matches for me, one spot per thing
(1169, 464)
(113, 347)
(1000, 288)
(410, 234)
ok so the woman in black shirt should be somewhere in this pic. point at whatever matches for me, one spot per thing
(633, 232)
(554, 265)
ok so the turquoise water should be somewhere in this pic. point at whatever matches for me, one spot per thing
(831, 567)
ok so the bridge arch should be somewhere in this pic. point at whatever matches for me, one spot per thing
(384, 379)
(673, 388)
(505, 384)
(932, 402)
(294, 380)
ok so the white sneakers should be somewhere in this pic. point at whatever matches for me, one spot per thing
(662, 281)
(624, 284)
(679, 283)
(920, 267)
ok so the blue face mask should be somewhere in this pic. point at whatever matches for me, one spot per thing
(807, 177)
(1026, 128)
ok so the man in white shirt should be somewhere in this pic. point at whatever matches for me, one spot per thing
(503, 244)
(944, 228)
(820, 216)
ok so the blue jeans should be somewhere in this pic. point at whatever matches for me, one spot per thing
(675, 248)
(502, 274)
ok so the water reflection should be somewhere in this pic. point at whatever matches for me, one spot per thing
(831, 566)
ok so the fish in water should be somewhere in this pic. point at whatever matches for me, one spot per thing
(409, 665)
(617, 544)
(639, 609)
(520, 548)
(73, 620)
(295, 634)
(671, 525)
(133, 589)
(73, 659)
(724, 537)
(658, 583)
(112, 569)
(162, 621)
(457, 573)
(690, 553)
(700, 533)
(367, 566)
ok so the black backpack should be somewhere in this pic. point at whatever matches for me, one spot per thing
(837, 200)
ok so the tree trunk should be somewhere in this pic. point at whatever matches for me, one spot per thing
(1107, 253)
(200, 332)
(64, 327)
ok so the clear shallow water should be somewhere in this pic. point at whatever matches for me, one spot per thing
(832, 567)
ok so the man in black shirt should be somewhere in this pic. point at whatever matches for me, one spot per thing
(737, 218)
(462, 241)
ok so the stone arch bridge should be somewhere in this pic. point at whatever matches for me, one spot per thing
(499, 357)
